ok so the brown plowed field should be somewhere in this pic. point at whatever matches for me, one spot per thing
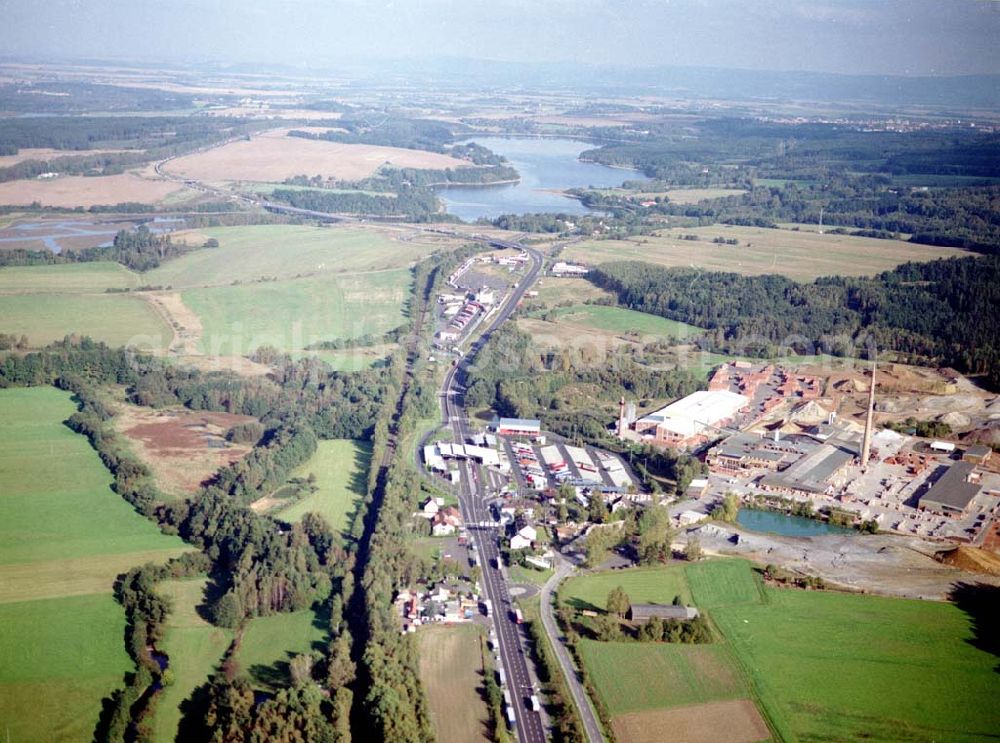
(77, 190)
(734, 721)
(183, 448)
(274, 156)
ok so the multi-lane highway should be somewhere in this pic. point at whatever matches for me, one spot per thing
(472, 502)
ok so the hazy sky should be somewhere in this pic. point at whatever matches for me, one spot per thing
(854, 36)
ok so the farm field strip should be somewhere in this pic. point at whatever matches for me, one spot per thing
(77, 190)
(291, 315)
(116, 319)
(451, 670)
(285, 252)
(799, 255)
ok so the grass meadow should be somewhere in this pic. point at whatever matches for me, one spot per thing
(623, 320)
(285, 252)
(673, 675)
(64, 536)
(195, 649)
(341, 470)
(820, 665)
(291, 315)
(116, 319)
(643, 585)
(269, 643)
(801, 255)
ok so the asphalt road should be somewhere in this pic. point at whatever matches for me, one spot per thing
(590, 724)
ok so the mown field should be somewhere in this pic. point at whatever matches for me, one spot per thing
(77, 190)
(286, 251)
(799, 255)
(64, 536)
(820, 665)
(341, 470)
(67, 278)
(623, 320)
(291, 315)
(287, 285)
(673, 675)
(269, 643)
(643, 585)
(451, 668)
(194, 647)
(116, 319)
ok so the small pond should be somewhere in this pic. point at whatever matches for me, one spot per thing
(785, 525)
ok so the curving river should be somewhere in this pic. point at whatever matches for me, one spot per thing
(545, 165)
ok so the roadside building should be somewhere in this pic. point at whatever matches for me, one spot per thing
(642, 613)
(446, 521)
(519, 427)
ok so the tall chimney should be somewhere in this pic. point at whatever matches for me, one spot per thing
(622, 425)
(866, 443)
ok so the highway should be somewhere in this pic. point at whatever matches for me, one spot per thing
(472, 503)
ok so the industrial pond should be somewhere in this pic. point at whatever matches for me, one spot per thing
(786, 525)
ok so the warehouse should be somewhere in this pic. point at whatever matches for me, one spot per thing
(519, 427)
(692, 419)
(953, 491)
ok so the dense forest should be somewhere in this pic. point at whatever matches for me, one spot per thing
(945, 312)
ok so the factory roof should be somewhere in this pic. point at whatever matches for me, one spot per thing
(952, 490)
(703, 409)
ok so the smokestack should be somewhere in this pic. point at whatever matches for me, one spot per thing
(622, 424)
(866, 443)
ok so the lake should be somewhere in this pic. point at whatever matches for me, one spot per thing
(772, 522)
(543, 164)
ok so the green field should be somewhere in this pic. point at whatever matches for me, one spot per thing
(194, 647)
(643, 585)
(341, 470)
(116, 319)
(672, 675)
(847, 667)
(801, 255)
(722, 583)
(622, 320)
(284, 252)
(821, 665)
(62, 532)
(58, 659)
(67, 278)
(269, 643)
(291, 315)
